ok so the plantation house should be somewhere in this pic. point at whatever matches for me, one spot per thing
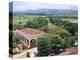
(28, 36)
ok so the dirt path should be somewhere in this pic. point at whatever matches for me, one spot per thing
(23, 54)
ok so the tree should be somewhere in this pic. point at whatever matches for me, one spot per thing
(16, 26)
(20, 22)
(49, 44)
(56, 20)
(37, 22)
(63, 32)
(71, 27)
(50, 17)
(56, 43)
(69, 42)
(43, 47)
(44, 28)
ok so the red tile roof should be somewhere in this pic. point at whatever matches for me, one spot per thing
(33, 33)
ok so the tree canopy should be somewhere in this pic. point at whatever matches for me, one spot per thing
(53, 43)
(48, 44)
(37, 22)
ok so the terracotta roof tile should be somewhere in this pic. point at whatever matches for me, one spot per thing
(31, 31)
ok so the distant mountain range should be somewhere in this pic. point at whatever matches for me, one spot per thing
(36, 8)
(49, 11)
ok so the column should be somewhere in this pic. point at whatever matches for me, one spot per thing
(29, 43)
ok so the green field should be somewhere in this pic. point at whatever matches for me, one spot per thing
(71, 20)
(23, 19)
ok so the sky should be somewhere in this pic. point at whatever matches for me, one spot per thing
(21, 6)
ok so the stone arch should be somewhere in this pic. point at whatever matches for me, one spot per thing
(32, 43)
